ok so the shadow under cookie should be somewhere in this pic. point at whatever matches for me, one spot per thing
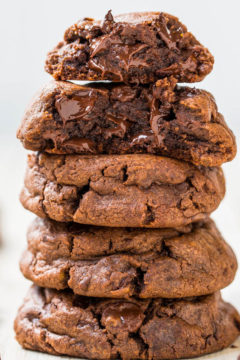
(125, 262)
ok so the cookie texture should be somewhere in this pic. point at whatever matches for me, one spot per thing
(62, 323)
(126, 262)
(163, 119)
(131, 48)
(120, 190)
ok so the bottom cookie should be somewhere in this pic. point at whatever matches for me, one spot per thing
(61, 323)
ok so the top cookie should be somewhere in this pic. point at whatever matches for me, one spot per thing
(131, 48)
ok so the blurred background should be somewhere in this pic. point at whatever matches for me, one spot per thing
(29, 29)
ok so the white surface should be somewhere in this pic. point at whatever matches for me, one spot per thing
(29, 29)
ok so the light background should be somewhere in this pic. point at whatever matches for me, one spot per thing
(30, 28)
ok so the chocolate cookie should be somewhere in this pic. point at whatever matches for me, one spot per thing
(125, 262)
(61, 323)
(163, 119)
(121, 190)
(131, 48)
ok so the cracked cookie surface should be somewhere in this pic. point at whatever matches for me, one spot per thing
(61, 323)
(163, 119)
(126, 262)
(121, 190)
(131, 48)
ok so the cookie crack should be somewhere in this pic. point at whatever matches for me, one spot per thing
(43, 198)
(103, 328)
(46, 342)
(125, 174)
(58, 166)
(149, 215)
(139, 280)
(83, 190)
(148, 315)
(71, 244)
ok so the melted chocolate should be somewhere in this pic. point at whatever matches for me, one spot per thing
(120, 130)
(125, 316)
(124, 55)
(123, 93)
(80, 145)
(142, 138)
(160, 105)
(76, 106)
(167, 34)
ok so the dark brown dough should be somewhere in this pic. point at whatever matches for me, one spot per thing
(163, 119)
(125, 262)
(121, 190)
(131, 48)
(61, 323)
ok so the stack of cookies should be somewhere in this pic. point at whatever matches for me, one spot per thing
(125, 261)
